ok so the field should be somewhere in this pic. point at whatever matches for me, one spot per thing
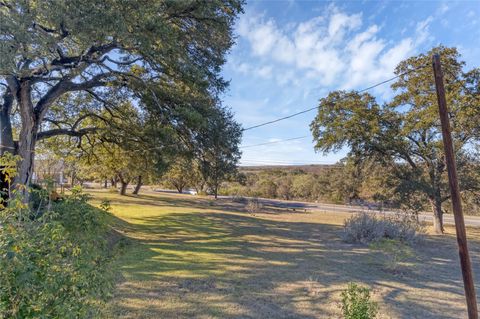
(191, 257)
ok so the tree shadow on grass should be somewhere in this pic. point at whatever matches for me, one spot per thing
(160, 200)
(219, 265)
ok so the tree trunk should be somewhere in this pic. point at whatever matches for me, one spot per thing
(72, 179)
(26, 149)
(6, 137)
(138, 186)
(114, 181)
(105, 183)
(123, 187)
(435, 195)
(200, 187)
(437, 215)
(216, 186)
(123, 183)
(179, 187)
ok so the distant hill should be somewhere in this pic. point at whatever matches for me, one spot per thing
(313, 168)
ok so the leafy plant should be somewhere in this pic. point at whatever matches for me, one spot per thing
(38, 199)
(105, 205)
(356, 303)
(8, 171)
(55, 265)
(394, 251)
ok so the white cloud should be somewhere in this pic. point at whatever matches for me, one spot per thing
(443, 8)
(264, 71)
(340, 23)
(334, 48)
(422, 31)
(243, 68)
(248, 69)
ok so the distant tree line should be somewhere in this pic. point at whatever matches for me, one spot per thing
(347, 182)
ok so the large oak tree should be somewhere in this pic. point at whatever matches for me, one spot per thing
(54, 52)
(405, 132)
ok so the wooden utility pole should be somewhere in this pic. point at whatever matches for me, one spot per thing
(465, 262)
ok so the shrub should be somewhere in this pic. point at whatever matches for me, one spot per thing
(53, 266)
(106, 205)
(253, 206)
(394, 251)
(367, 228)
(38, 199)
(356, 303)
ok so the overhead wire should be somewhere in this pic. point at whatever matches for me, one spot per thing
(280, 119)
(313, 108)
(306, 111)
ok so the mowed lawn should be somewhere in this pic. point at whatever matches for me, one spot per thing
(191, 257)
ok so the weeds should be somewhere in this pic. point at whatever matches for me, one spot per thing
(356, 303)
(395, 253)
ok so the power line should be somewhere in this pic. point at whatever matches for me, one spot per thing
(280, 119)
(275, 142)
(313, 108)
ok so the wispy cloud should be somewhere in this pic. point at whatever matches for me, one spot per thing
(286, 59)
(334, 48)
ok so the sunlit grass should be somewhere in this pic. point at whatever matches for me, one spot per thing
(190, 257)
(170, 237)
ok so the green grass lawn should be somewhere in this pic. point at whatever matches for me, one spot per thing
(191, 257)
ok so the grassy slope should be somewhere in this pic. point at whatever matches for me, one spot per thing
(189, 259)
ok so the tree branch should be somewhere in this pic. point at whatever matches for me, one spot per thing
(67, 86)
(55, 132)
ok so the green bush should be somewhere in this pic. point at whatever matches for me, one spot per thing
(38, 199)
(394, 251)
(106, 205)
(53, 266)
(356, 303)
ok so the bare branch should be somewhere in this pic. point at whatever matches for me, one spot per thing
(55, 132)
(122, 62)
(67, 86)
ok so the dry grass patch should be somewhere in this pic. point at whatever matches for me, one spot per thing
(191, 259)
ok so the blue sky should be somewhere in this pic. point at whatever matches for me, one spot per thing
(291, 53)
